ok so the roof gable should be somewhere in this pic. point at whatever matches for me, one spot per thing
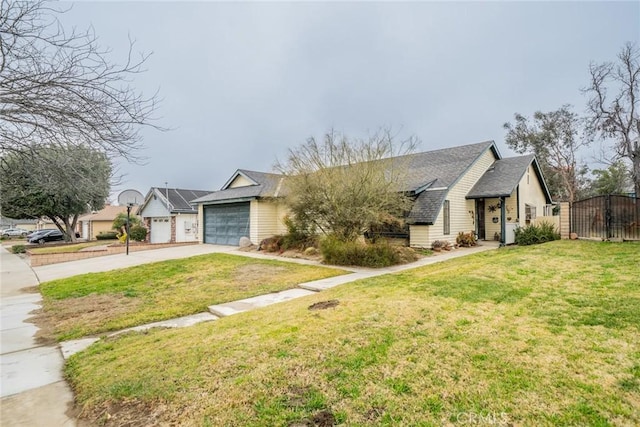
(502, 178)
(264, 185)
(178, 200)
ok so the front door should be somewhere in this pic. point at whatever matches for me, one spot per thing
(480, 219)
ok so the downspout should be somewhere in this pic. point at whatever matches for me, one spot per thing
(503, 225)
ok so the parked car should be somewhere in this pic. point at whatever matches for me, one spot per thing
(14, 232)
(43, 236)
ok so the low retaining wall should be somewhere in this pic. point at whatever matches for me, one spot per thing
(37, 260)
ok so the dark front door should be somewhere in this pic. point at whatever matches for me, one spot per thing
(480, 219)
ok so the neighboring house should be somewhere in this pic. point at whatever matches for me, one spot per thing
(25, 224)
(94, 223)
(466, 188)
(169, 216)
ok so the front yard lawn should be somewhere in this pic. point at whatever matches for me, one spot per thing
(100, 302)
(524, 336)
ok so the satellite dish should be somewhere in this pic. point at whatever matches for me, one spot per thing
(133, 197)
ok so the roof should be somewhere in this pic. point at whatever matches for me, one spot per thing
(502, 178)
(179, 199)
(108, 213)
(442, 168)
(429, 176)
(432, 173)
(263, 185)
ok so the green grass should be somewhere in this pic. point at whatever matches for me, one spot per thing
(99, 302)
(75, 247)
(541, 335)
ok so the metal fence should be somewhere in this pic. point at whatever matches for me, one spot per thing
(607, 217)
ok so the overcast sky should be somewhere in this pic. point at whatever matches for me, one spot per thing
(242, 82)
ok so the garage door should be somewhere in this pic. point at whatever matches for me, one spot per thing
(226, 224)
(160, 230)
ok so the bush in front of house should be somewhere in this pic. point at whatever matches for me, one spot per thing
(466, 239)
(536, 233)
(138, 233)
(379, 254)
(299, 235)
(18, 249)
(107, 235)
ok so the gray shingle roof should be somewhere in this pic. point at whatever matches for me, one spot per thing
(267, 185)
(435, 170)
(426, 207)
(501, 178)
(441, 168)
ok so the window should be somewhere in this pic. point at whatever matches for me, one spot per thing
(447, 218)
(530, 213)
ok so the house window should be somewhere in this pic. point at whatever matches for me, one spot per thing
(447, 218)
(530, 213)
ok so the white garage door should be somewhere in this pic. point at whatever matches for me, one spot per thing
(160, 230)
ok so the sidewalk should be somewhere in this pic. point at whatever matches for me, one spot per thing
(32, 388)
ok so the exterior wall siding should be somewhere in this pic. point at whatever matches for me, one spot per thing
(419, 236)
(531, 193)
(266, 220)
(240, 181)
(187, 229)
(155, 208)
(462, 211)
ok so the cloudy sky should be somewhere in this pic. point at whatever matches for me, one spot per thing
(242, 82)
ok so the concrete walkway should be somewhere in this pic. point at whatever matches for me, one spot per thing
(32, 388)
(33, 392)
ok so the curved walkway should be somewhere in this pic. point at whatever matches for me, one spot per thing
(32, 388)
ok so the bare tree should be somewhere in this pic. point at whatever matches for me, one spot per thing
(554, 138)
(614, 105)
(60, 88)
(343, 186)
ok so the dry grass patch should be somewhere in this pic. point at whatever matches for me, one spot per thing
(100, 302)
(475, 337)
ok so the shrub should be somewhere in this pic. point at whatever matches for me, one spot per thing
(534, 234)
(108, 235)
(438, 245)
(299, 235)
(379, 254)
(466, 239)
(137, 233)
(271, 244)
(18, 249)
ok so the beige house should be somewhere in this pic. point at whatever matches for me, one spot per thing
(94, 223)
(466, 188)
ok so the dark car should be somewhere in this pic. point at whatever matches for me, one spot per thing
(43, 236)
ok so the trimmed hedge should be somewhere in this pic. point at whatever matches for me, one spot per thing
(109, 235)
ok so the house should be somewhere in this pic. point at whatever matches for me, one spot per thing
(25, 224)
(465, 188)
(94, 223)
(168, 215)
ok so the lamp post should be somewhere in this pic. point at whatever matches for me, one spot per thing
(129, 206)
